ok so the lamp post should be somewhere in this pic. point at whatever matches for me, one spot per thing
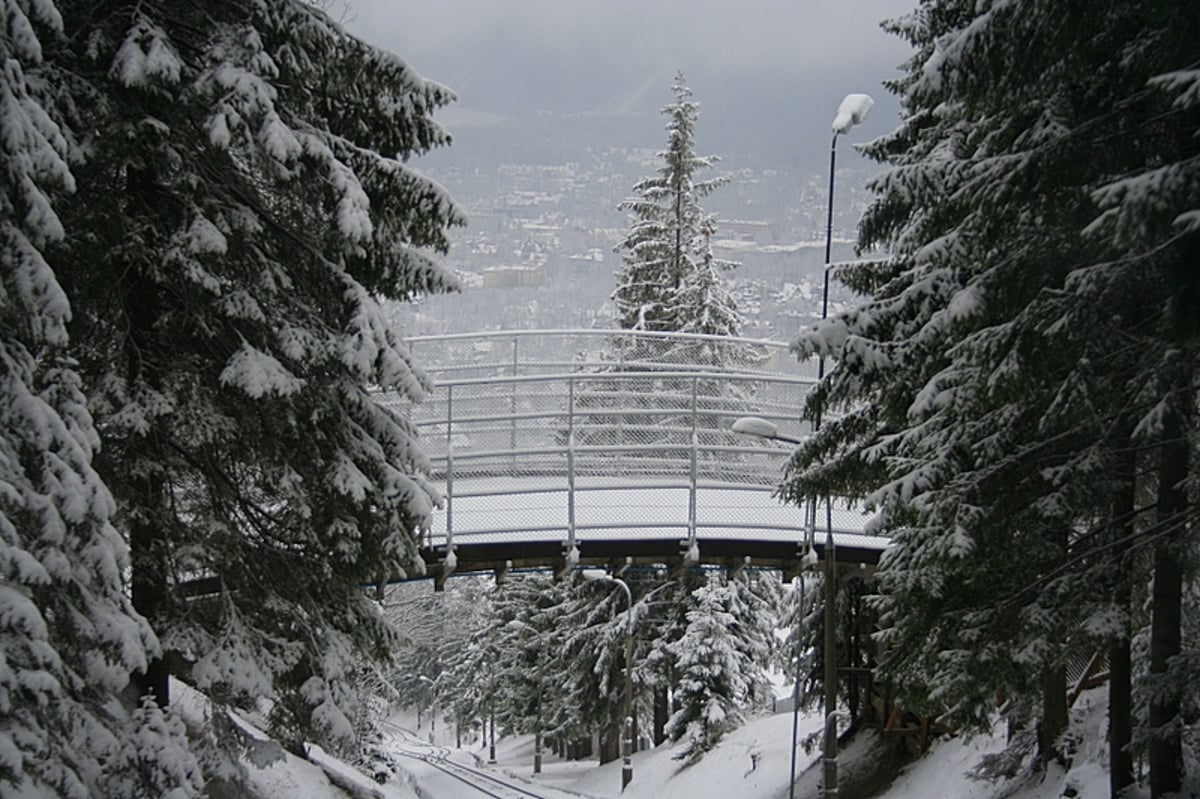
(762, 428)
(492, 722)
(517, 624)
(852, 111)
(432, 705)
(596, 575)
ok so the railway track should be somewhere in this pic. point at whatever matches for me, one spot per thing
(405, 743)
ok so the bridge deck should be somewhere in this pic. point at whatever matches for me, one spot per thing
(667, 553)
(508, 523)
(556, 448)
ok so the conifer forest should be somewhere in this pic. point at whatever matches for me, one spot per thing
(210, 212)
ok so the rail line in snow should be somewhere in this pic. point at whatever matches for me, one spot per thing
(406, 744)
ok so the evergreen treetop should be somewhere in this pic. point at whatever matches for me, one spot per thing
(667, 281)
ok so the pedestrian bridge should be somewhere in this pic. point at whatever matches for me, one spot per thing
(560, 448)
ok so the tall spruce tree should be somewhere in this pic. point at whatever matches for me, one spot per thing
(69, 637)
(257, 204)
(666, 243)
(670, 282)
(1041, 211)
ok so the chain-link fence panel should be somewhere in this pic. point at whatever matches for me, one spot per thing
(566, 420)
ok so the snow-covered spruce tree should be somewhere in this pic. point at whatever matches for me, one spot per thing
(590, 643)
(667, 616)
(528, 664)
(434, 629)
(1041, 214)
(670, 281)
(256, 203)
(665, 246)
(720, 661)
(509, 658)
(469, 680)
(593, 650)
(69, 637)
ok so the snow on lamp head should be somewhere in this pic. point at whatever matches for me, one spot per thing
(755, 426)
(851, 112)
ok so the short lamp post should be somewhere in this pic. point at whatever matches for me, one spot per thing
(761, 428)
(517, 624)
(432, 705)
(595, 575)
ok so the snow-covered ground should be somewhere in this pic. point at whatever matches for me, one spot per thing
(753, 761)
(946, 771)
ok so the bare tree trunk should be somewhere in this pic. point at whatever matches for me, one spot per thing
(1054, 713)
(1120, 668)
(1165, 752)
(148, 579)
(149, 586)
(661, 714)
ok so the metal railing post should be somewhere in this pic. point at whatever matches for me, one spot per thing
(694, 470)
(512, 404)
(571, 465)
(450, 468)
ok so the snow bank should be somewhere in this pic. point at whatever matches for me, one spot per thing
(343, 776)
(274, 772)
(755, 761)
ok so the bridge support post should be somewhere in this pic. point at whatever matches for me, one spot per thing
(627, 753)
(448, 565)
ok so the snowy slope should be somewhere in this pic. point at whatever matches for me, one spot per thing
(274, 772)
(752, 762)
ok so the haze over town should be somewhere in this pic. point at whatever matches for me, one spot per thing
(558, 115)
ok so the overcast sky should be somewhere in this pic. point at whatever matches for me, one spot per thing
(775, 68)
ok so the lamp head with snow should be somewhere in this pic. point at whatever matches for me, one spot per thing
(755, 426)
(851, 112)
(760, 428)
(594, 575)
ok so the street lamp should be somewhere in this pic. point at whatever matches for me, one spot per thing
(596, 575)
(517, 624)
(762, 428)
(851, 112)
(432, 705)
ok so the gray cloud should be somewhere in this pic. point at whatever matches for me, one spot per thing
(771, 70)
(580, 47)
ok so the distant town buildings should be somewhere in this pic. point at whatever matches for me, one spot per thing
(507, 277)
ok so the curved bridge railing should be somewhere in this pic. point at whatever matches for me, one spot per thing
(577, 435)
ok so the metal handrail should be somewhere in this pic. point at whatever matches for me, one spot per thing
(506, 415)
